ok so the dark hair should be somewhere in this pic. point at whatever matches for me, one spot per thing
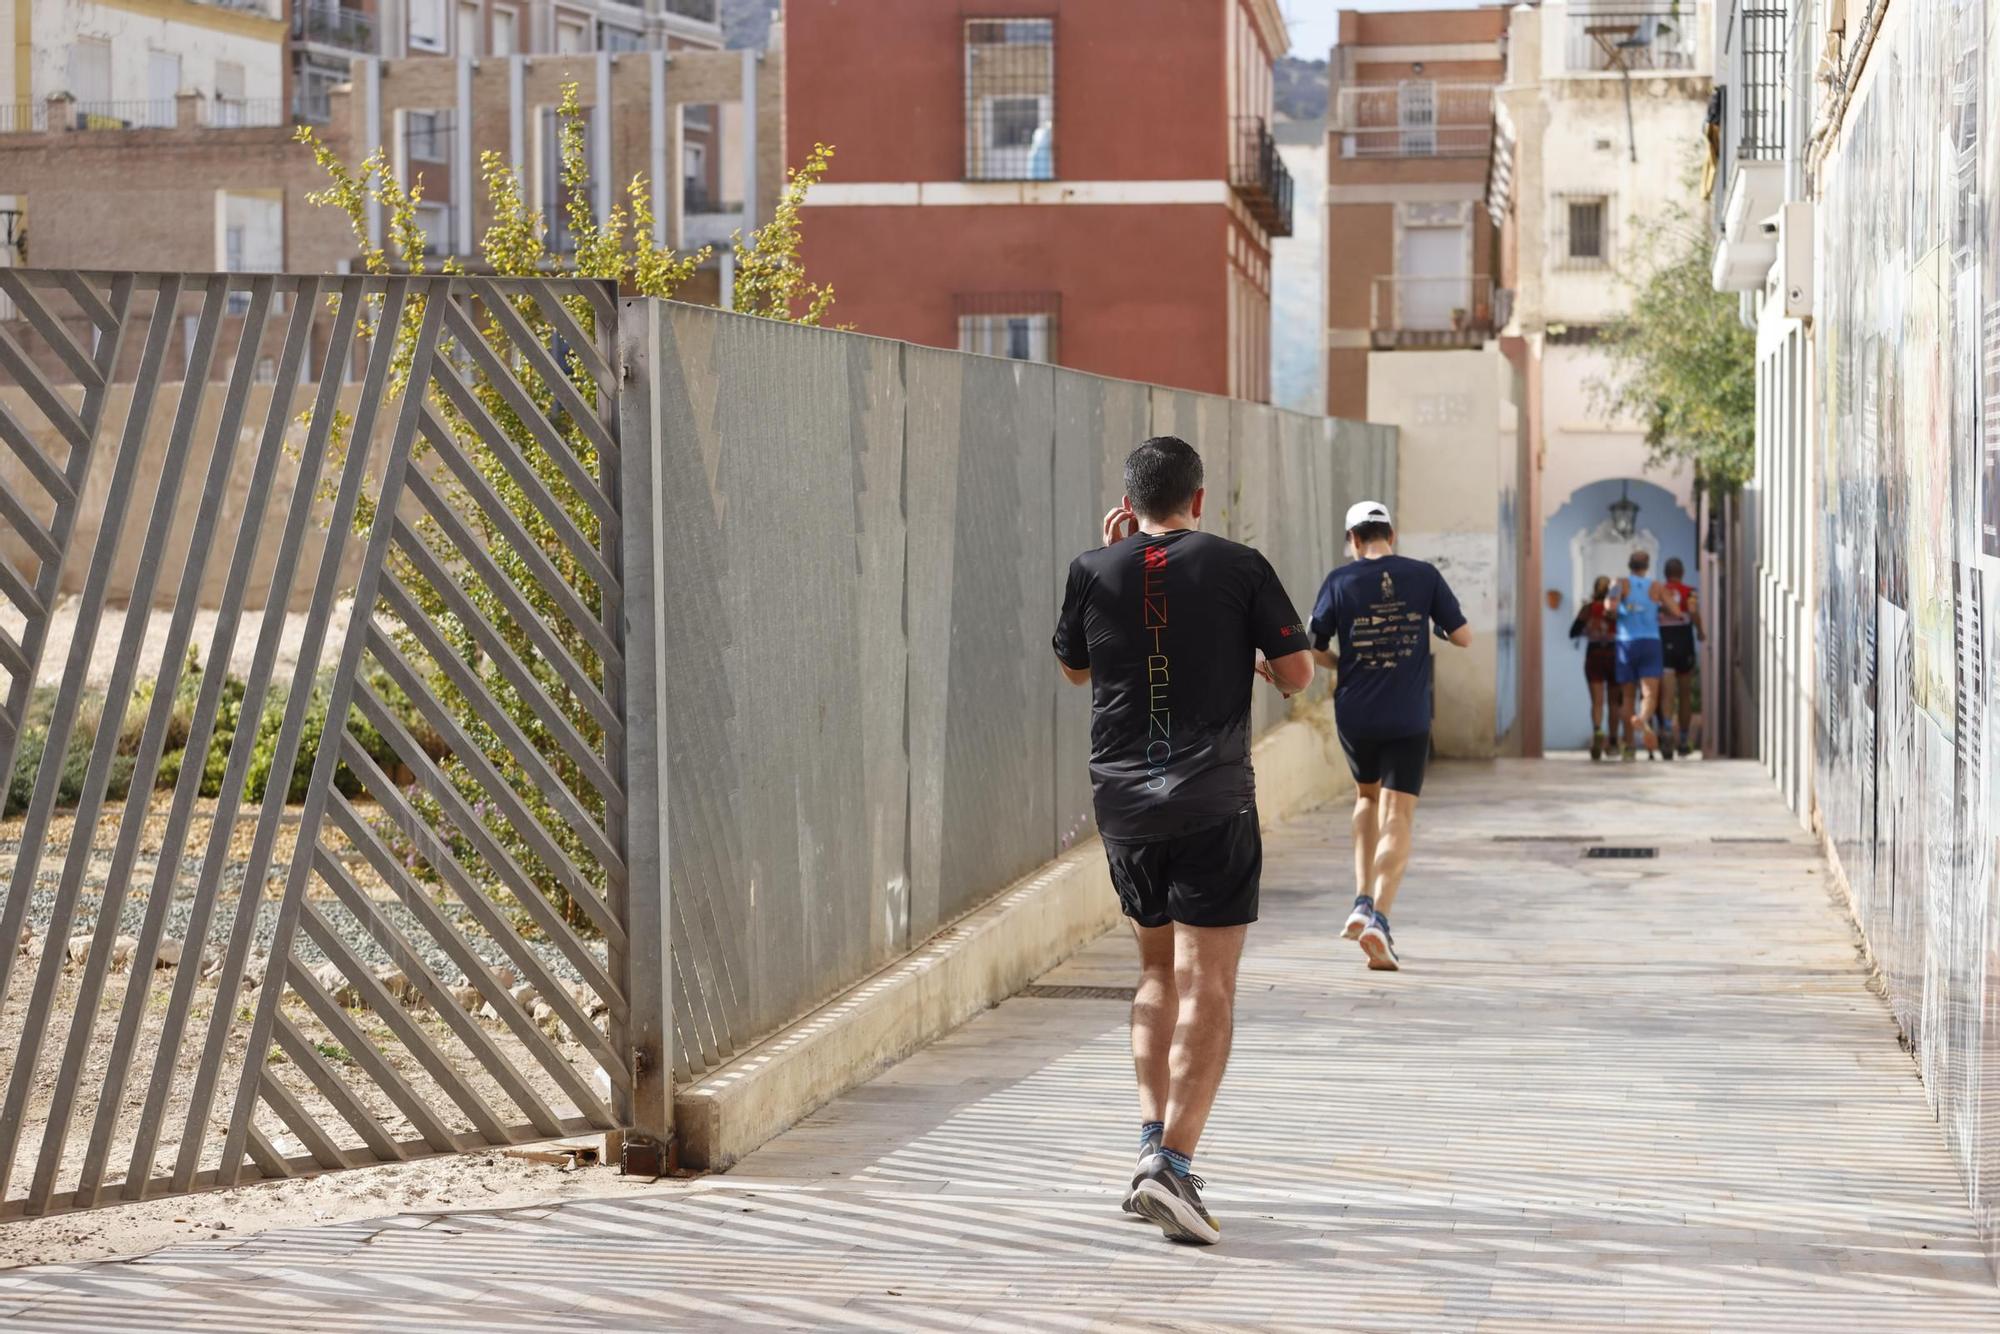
(1372, 531)
(1640, 560)
(1674, 569)
(1600, 589)
(1161, 477)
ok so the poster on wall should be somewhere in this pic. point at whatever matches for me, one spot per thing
(1927, 453)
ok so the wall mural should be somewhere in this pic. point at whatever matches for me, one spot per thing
(1909, 569)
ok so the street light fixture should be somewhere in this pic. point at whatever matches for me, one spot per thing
(1624, 513)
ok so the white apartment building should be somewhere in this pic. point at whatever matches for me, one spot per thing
(1599, 127)
(128, 64)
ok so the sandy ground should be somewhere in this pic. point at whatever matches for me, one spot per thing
(111, 630)
(55, 1027)
(472, 1181)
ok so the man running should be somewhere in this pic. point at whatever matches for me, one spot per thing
(1639, 657)
(1377, 607)
(1167, 625)
(1680, 628)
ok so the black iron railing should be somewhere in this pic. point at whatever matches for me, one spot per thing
(1259, 176)
(327, 24)
(1759, 93)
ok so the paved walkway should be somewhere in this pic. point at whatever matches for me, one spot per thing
(1650, 1094)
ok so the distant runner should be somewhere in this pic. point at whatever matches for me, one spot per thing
(1378, 607)
(1639, 658)
(1680, 629)
(1168, 625)
(1597, 626)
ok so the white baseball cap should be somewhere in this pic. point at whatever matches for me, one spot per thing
(1366, 511)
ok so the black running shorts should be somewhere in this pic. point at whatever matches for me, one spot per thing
(1397, 763)
(1677, 648)
(1207, 878)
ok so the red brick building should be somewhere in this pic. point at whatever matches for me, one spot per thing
(1410, 262)
(1090, 182)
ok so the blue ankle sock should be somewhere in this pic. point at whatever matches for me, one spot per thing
(1151, 1132)
(1180, 1162)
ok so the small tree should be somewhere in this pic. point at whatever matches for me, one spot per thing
(516, 244)
(1681, 360)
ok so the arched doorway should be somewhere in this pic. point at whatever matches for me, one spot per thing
(1580, 542)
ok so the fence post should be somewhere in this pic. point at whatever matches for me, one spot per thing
(649, 959)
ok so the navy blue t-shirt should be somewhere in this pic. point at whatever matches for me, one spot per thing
(1381, 610)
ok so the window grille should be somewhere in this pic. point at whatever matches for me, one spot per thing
(1010, 99)
(1583, 225)
(1018, 325)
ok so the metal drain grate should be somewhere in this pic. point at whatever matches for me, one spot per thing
(1077, 993)
(1622, 854)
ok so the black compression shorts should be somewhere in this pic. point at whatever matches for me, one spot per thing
(1397, 763)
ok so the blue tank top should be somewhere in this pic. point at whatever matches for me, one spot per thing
(1638, 614)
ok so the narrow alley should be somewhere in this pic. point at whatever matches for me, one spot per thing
(1654, 1093)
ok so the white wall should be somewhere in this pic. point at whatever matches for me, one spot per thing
(1579, 446)
(1458, 433)
(133, 37)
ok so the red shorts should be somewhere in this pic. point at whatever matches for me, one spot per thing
(1600, 663)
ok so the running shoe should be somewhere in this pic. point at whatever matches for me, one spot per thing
(1380, 946)
(1667, 751)
(1597, 745)
(1629, 755)
(1173, 1201)
(1358, 920)
(1147, 1148)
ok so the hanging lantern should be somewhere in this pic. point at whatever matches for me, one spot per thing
(1624, 514)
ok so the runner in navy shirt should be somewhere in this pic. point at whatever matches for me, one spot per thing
(1380, 609)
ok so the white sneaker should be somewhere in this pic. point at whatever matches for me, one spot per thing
(1358, 920)
(1378, 946)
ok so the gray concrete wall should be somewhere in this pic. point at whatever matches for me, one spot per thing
(866, 544)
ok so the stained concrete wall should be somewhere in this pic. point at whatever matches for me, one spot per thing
(865, 549)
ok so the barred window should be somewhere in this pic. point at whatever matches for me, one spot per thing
(1586, 239)
(1010, 99)
(1017, 325)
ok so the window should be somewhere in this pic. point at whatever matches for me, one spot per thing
(434, 220)
(91, 77)
(503, 32)
(1017, 325)
(428, 134)
(572, 39)
(468, 30)
(250, 234)
(611, 37)
(1010, 98)
(1586, 242)
(553, 194)
(427, 24)
(163, 85)
(1416, 117)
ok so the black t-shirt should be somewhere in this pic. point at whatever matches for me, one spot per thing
(1169, 625)
(1381, 611)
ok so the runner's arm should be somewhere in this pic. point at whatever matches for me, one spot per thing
(1076, 676)
(1072, 640)
(1291, 673)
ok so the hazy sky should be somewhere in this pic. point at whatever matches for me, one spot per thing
(1312, 22)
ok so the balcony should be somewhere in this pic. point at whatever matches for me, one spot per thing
(1414, 118)
(1660, 37)
(1259, 177)
(318, 23)
(701, 11)
(1410, 310)
(1753, 166)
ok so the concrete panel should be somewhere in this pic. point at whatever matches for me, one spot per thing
(1097, 423)
(784, 540)
(981, 453)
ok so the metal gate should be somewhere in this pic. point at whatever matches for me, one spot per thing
(370, 891)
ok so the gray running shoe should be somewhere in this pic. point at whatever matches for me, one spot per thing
(1380, 946)
(1147, 1148)
(1358, 920)
(1173, 1201)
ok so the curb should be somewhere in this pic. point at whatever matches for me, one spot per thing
(977, 962)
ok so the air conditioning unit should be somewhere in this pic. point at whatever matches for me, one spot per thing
(1794, 270)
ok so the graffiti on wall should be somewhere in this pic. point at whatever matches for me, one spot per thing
(1909, 414)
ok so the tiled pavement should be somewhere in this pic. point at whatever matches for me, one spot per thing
(1603, 1094)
